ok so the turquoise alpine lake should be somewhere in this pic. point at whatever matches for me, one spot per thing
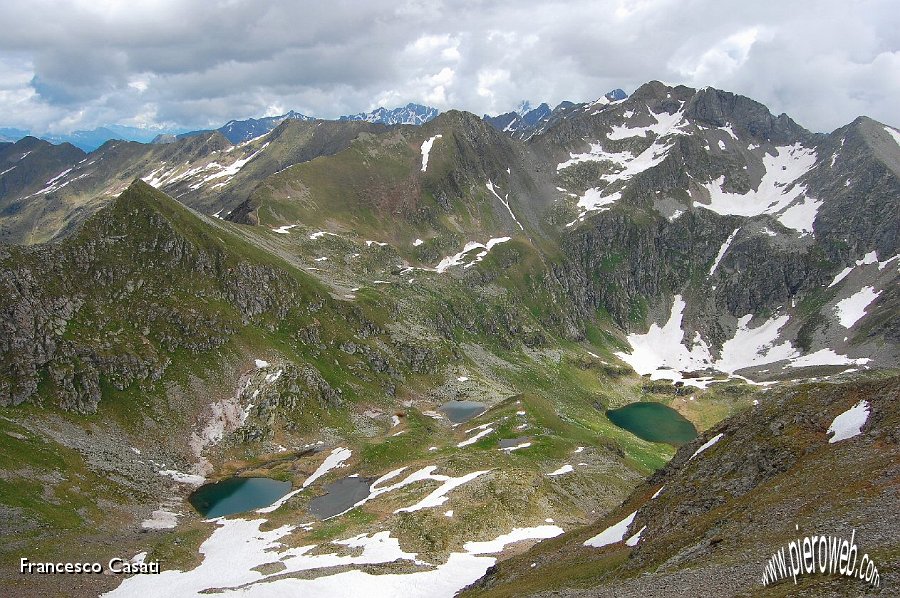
(654, 422)
(236, 495)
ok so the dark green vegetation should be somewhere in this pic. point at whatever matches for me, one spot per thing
(654, 422)
(236, 495)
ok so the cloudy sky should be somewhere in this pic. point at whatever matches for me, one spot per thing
(83, 63)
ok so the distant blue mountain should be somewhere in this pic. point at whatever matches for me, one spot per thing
(10, 134)
(237, 131)
(91, 140)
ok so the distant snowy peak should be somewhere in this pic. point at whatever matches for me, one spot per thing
(411, 114)
(523, 118)
(525, 107)
(526, 120)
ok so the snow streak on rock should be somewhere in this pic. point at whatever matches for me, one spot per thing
(426, 150)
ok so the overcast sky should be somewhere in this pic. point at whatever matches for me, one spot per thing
(83, 63)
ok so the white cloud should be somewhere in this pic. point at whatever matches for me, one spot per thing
(720, 61)
(488, 82)
(89, 63)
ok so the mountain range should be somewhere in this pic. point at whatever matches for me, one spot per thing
(310, 301)
(235, 131)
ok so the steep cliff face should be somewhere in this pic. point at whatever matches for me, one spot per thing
(705, 195)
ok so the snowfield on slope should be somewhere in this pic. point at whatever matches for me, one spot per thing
(662, 353)
(665, 124)
(778, 192)
(238, 549)
(624, 166)
(851, 310)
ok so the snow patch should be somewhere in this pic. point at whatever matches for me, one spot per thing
(475, 438)
(662, 354)
(665, 124)
(283, 230)
(850, 310)
(849, 423)
(826, 357)
(866, 260)
(521, 445)
(438, 496)
(754, 346)
(660, 351)
(893, 134)
(623, 166)
(562, 470)
(540, 532)
(633, 540)
(505, 201)
(334, 460)
(612, 534)
(457, 259)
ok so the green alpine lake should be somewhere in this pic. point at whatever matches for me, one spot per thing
(654, 422)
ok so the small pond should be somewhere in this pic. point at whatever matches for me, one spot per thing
(654, 422)
(507, 443)
(236, 495)
(462, 411)
(340, 496)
